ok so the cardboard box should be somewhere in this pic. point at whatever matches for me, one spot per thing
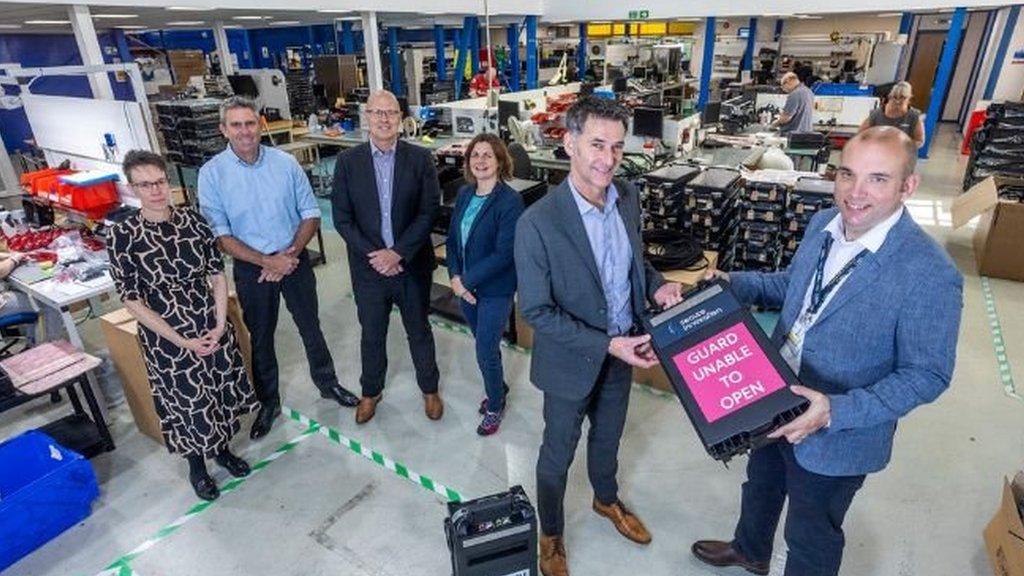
(1004, 535)
(1000, 231)
(121, 331)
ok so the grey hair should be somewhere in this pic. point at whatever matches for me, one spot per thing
(603, 108)
(236, 102)
(901, 89)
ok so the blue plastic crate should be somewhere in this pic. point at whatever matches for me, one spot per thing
(44, 490)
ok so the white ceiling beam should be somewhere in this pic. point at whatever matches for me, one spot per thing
(89, 48)
(371, 45)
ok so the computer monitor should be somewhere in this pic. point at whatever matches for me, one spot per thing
(712, 111)
(648, 122)
(640, 72)
(506, 109)
(620, 85)
(244, 85)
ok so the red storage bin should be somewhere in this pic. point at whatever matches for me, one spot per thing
(43, 182)
(977, 119)
(94, 199)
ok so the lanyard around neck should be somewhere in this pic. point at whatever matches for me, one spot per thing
(820, 293)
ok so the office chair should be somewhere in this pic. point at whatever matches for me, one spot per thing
(522, 166)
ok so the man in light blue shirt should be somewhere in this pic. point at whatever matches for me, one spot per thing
(261, 208)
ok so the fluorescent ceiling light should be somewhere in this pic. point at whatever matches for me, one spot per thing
(889, 14)
(251, 17)
(113, 16)
(186, 23)
(334, 11)
(9, 26)
(286, 23)
(48, 22)
(189, 8)
(688, 19)
(131, 27)
(807, 17)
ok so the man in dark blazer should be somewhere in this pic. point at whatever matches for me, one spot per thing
(386, 198)
(583, 283)
(870, 318)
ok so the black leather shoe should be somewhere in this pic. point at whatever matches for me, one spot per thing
(233, 464)
(719, 553)
(264, 420)
(340, 395)
(204, 486)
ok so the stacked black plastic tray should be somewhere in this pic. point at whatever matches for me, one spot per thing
(997, 147)
(663, 197)
(761, 215)
(807, 197)
(191, 130)
(299, 84)
(712, 208)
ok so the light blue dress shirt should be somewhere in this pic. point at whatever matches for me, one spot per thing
(260, 204)
(608, 240)
(384, 172)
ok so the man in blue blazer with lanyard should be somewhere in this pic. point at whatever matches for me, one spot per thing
(870, 319)
(385, 200)
(583, 283)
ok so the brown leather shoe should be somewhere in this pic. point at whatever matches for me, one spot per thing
(625, 521)
(719, 553)
(433, 406)
(552, 556)
(367, 408)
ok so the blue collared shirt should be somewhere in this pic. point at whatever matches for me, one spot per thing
(608, 240)
(260, 204)
(384, 172)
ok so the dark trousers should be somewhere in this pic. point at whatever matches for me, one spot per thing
(410, 292)
(814, 521)
(605, 407)
(487, 320)
(260, 303)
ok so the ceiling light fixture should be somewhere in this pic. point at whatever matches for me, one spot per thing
(48, 22)
(189, 8)
(9, 26)
(251, 17)
(186, 23)
(113, 16)
(286, 23)
(131, 27)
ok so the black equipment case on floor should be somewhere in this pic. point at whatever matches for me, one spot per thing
(493, 536)
(733, 384)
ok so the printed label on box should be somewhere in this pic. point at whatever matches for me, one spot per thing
(728, 372)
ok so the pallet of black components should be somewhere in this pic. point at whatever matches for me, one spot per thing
(493, 535)
(1012, 193)
(715, 182)
(200, 107)
(673, 176)
(705, 202)
(805, 185)
(729, 377)
(760, 231)
(765, 191)
(761, 211)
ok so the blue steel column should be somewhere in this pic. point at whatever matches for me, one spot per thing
(906, 22)
(1004, 45)
(460, 56)
(513, 56)
(581, 52)
(396, 63)
(778, 29)
(708, 64)
(748, 54)
(442, 64)
(348, 45)
(474, 43)
(531, 52)
(946, 64)
(122, 45)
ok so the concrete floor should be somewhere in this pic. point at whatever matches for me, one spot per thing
(322, 509)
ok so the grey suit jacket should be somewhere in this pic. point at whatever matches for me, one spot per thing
(560, 292)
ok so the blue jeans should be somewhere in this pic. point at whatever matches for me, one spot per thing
(814, 523)
(487, 321)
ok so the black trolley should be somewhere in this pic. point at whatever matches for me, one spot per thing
(493, 536)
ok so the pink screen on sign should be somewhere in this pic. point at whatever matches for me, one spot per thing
(727, 372)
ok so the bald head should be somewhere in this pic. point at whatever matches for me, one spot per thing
(893, 138)
(378, 97)
(789, 81)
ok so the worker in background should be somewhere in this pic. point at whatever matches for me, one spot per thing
(796, 114)
(896, 112)
(870, 316)
(261, 208)
(486, 79)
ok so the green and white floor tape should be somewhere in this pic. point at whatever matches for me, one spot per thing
(122, 566)
(399, 469)
(1005, 373)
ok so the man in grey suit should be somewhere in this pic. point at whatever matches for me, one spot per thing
(583, 283)
(870, 319)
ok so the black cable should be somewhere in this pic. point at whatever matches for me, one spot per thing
(673, 250)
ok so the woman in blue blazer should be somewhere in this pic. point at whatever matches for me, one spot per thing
(480, 262)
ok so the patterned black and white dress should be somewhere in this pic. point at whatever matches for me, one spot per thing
(167, 266)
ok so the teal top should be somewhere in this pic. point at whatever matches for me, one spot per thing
(469, 216)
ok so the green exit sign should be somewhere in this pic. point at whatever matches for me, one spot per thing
(639, 14)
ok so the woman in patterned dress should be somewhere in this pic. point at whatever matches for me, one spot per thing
(170, 275)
